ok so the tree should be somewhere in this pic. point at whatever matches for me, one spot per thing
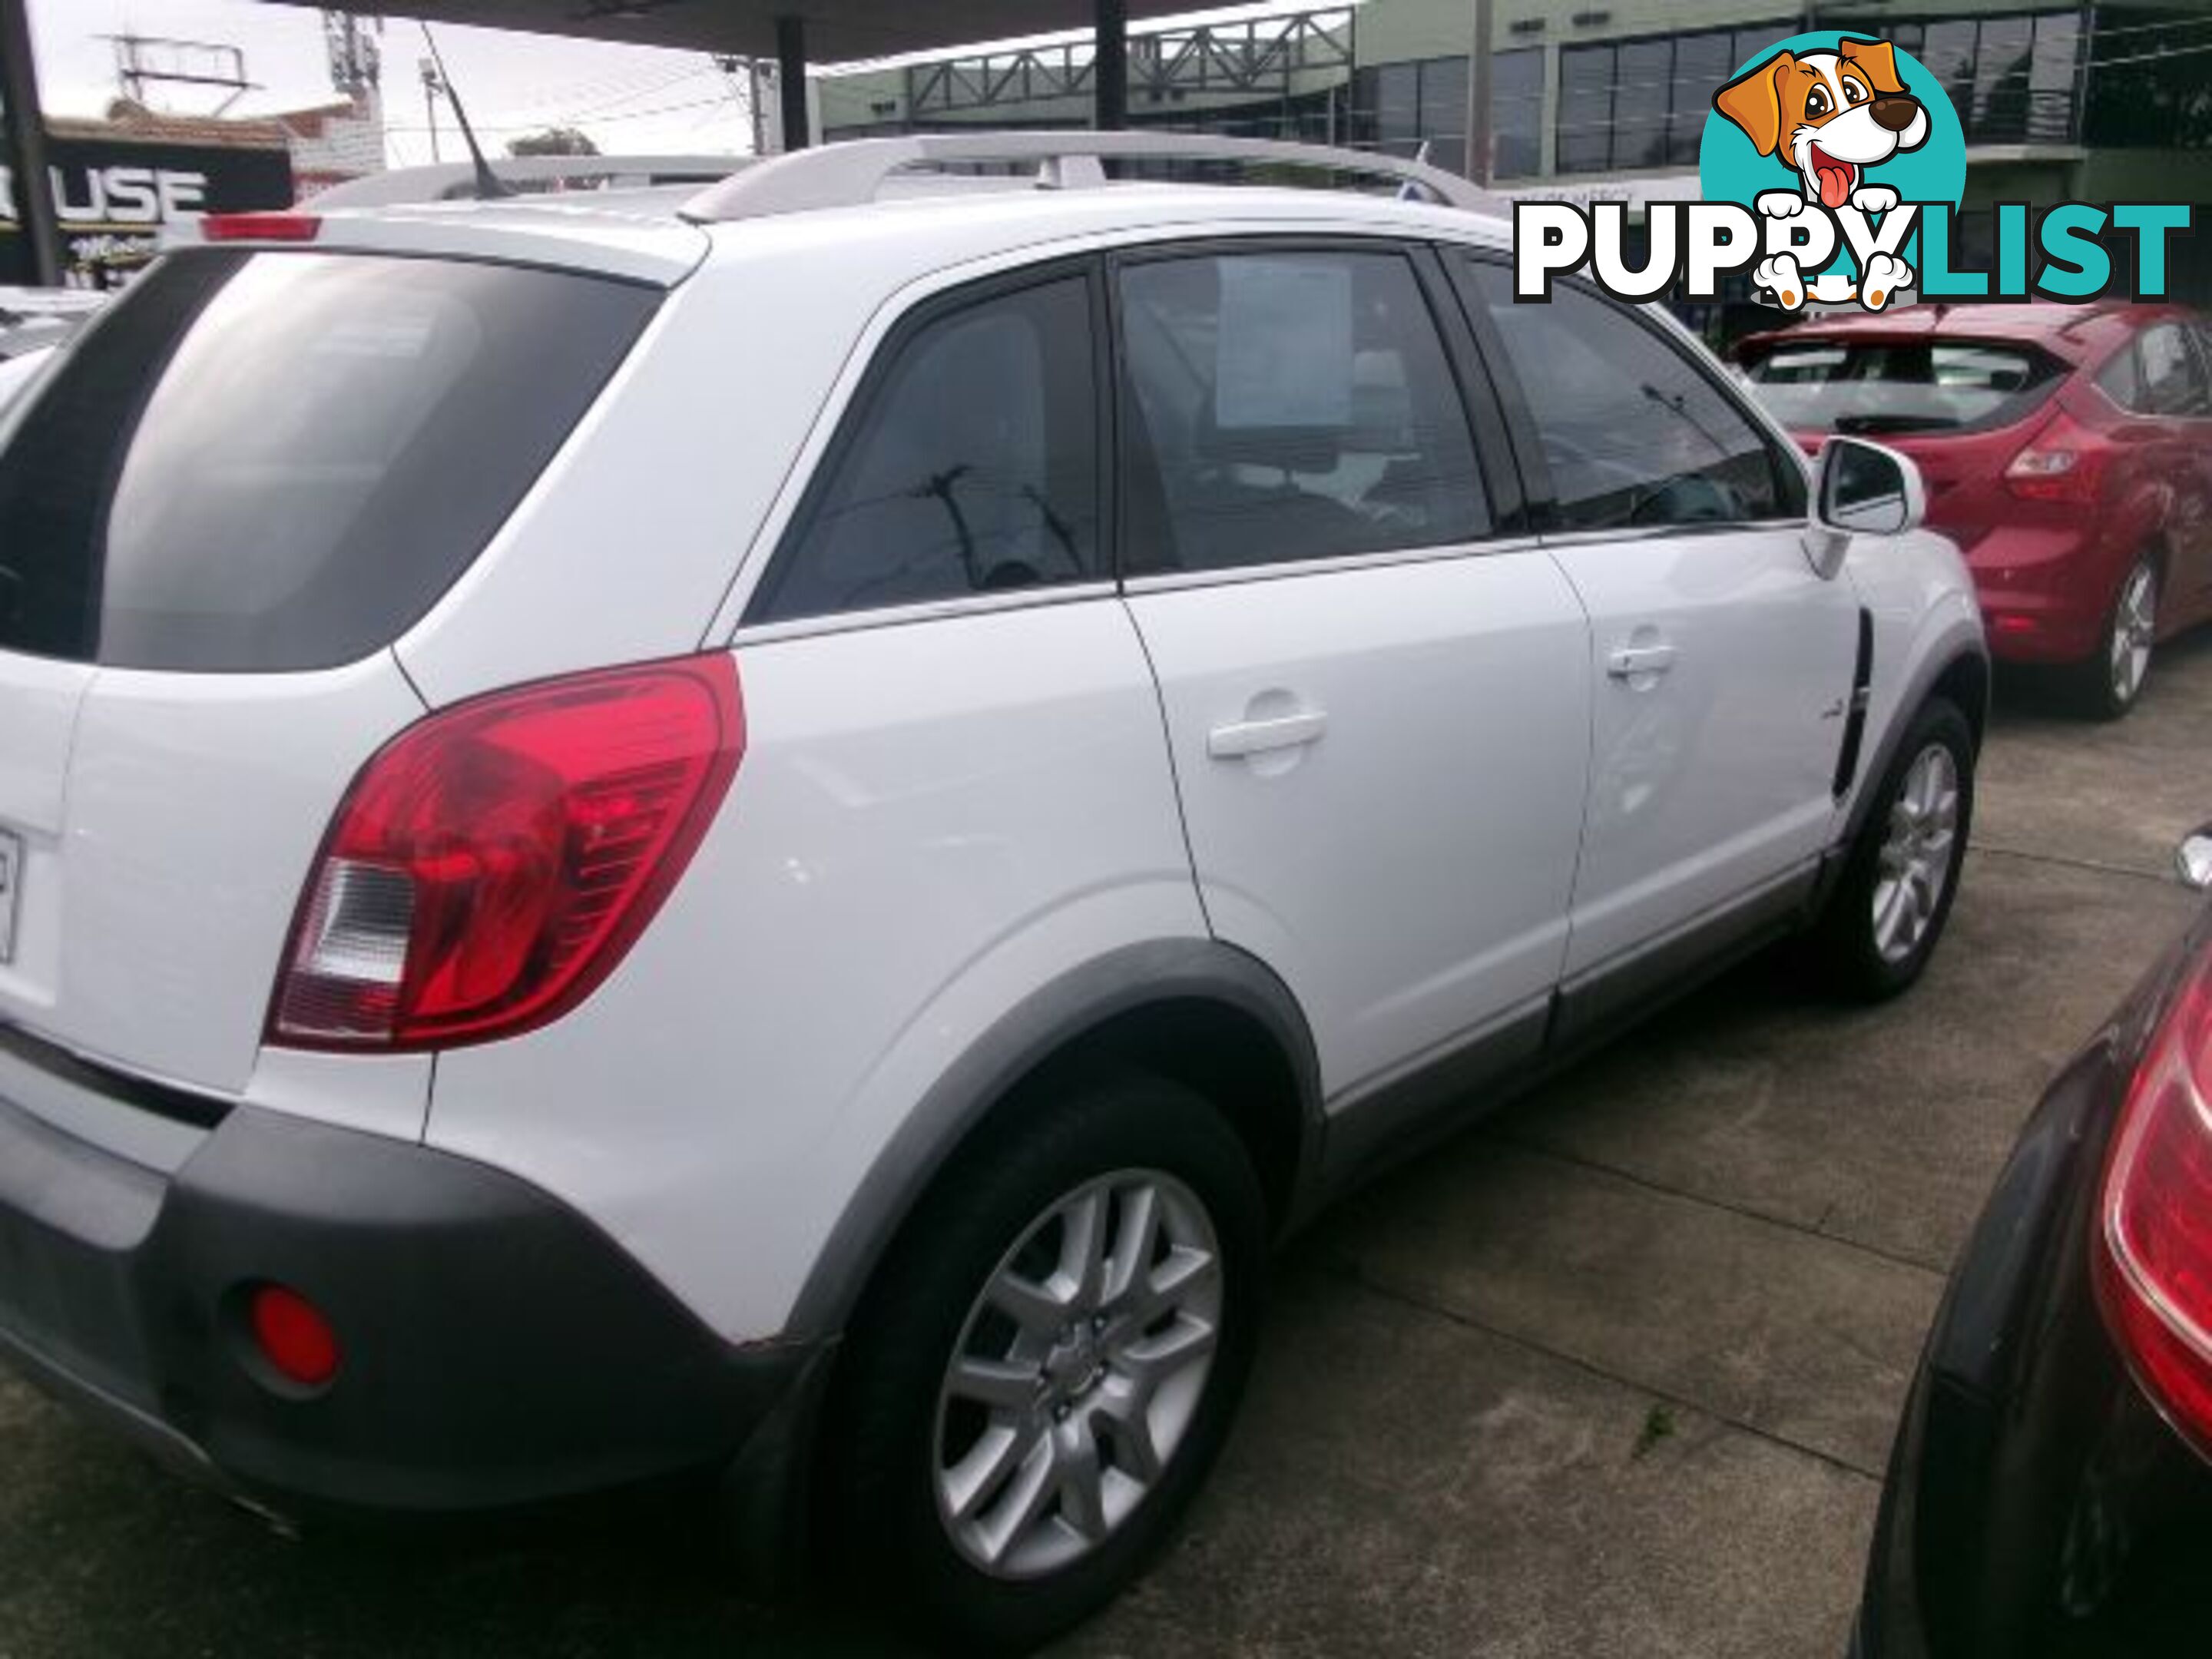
(554, 141)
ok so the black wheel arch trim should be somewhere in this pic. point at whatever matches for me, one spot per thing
(1937, 666)
(1047, 1023)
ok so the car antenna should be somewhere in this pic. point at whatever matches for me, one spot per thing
(488, 183)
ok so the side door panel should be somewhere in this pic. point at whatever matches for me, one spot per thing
(1714, 779)
(1378, 705)
(1407, 873)
(1722, 665)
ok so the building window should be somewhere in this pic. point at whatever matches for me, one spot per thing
(1516, 121)
(1640, 104)
(1626, 105)
(2147, 85)
(1586, 75)
(1398, 107)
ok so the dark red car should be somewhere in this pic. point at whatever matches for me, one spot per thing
(2067, 449)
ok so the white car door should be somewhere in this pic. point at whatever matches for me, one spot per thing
(1722, 666)
(1378, 706)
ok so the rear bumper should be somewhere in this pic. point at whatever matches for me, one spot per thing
(498, 1350)
(2046, 588)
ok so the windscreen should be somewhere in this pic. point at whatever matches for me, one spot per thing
(278, 461)
(1868, 387)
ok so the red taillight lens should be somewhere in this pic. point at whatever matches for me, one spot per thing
(292, 1336)
(261, 227)
(2155, 1238)
(490, 865)
(2063, 463)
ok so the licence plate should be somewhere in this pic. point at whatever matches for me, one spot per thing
(11, 885)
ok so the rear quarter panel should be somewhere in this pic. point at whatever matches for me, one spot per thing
(933, 817)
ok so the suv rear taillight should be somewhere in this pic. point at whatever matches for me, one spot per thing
(2064, 462)
(491, 864)
(2154, 1250)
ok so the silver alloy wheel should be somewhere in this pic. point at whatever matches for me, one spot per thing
(2135, 630)
(1077, 1374)
(1916, 859)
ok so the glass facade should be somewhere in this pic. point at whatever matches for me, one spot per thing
(2013, 78)
(2150, 79)
(2134, 73)
(1628, 104)
(1398, 107)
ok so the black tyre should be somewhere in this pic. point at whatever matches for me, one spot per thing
(1889, 910)
(1037, 1384)
(2111, 682)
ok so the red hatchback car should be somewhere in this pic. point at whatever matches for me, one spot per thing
(2067, 449)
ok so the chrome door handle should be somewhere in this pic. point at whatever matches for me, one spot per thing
(1241, 738)
(1630, 660)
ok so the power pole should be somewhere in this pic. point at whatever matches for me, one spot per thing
(23, 146)
(1480, 114)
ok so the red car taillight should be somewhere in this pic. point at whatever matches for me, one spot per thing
(2063, 463)
(2154, 1251)
(491, 864)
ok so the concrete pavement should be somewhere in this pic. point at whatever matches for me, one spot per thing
(1614, 1373)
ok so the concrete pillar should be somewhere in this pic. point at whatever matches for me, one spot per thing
(1109, 65)
(791, 79)
(1481, 110)
(23, 145)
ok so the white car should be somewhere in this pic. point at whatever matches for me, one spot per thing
(779, 830)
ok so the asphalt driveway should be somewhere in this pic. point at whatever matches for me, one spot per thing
(1615, 1373)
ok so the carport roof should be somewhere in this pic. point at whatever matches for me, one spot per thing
(837, 31)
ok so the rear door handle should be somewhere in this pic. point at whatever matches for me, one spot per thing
(1241, 738)
(1630, 660)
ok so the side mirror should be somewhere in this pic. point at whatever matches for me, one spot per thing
(1862, 489)
(2192, 860)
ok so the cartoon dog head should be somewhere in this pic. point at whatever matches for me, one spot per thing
(1831, 114)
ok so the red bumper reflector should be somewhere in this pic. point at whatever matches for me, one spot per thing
(293, 1336)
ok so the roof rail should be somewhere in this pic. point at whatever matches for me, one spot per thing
(849, 174)
(456, 181)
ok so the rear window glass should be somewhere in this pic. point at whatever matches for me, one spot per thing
(278, 461)
(1902, 385)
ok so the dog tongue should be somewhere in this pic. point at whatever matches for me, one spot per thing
(1835, 186)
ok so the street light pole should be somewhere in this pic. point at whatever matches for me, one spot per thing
(431, 88)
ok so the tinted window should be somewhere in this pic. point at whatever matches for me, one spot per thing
(1516, 93)
(1633, 432)
(279, 460)
(1643, 83)
(2173, 381)
(2121, 378)
(1585, 108)
(974, 468)
(1289, 406)
(1873, 387)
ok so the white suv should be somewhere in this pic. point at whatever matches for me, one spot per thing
(777, 831)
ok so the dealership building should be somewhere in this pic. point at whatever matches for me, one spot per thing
(1608, 99)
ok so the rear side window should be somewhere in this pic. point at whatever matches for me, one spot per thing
(2121, 378)
(1634, 433)
(974, 467)
(278, 461)
(1289, 405)
(2173, 380)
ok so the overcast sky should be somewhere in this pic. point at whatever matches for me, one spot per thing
(637, 98)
